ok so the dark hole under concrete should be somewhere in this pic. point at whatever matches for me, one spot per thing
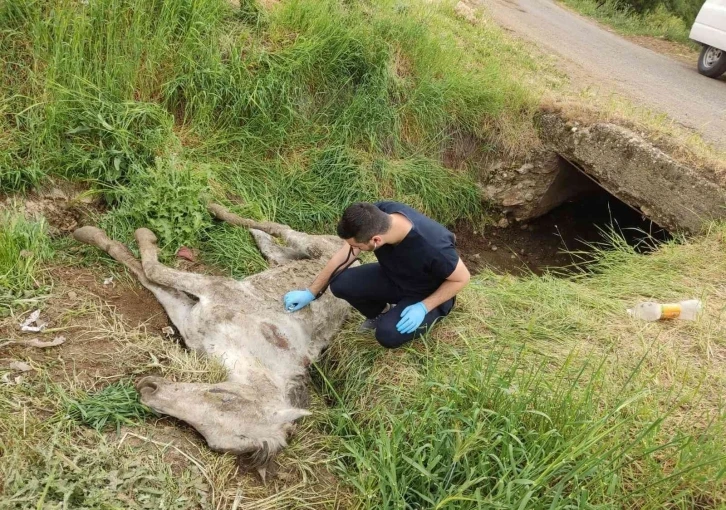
(588, 217)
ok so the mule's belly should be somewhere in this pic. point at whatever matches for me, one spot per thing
(250, 344)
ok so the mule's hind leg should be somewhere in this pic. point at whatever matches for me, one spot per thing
(176, 304)
(196, 284)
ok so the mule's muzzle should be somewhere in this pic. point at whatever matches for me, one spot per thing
(148, 385)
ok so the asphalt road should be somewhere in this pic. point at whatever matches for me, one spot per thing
(593, 54)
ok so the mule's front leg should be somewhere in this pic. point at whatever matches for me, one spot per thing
(273, 252)
(299, 244)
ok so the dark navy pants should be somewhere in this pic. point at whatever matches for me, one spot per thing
(368, 290)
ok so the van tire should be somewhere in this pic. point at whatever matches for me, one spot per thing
(712, 62)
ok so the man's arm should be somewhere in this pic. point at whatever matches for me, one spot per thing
(456, 281)
(340, 257)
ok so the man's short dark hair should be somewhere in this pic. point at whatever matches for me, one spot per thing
(361, 221)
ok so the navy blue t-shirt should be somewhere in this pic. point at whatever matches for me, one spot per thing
(420, 263)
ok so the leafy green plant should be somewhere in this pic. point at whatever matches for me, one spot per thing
(169, 200)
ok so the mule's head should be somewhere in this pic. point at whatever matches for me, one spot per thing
(232, 417)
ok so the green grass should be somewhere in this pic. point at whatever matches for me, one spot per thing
(538, 392)
(115, 405)
(24, 246)
(658, 22)
(234, 250)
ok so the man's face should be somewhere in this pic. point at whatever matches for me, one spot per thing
(371, 245)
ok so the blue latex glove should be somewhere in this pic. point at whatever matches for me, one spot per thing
(297, 299)
(411, 318)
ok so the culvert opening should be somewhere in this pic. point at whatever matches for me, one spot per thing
(585, 218)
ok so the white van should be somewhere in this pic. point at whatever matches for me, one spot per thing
(710, 30)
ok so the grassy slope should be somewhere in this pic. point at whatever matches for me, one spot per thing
(294, 113)
(536, 392)
(301, 110)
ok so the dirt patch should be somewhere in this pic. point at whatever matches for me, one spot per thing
(86, 313)
(134, 304)
(677, 51)
(64, 205)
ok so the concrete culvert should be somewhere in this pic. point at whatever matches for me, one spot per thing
(585, 180)
(668, 192)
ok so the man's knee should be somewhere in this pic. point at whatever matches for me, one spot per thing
(388, 336)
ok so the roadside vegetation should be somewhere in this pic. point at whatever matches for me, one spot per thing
(24, 246)
(671, 21)
(538, 392)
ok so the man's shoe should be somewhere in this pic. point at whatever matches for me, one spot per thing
(369, 325)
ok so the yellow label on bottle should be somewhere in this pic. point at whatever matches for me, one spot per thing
(670, 311)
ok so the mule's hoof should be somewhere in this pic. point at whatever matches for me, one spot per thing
(144, 235)
(90, 235)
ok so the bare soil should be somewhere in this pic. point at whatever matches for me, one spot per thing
(677, 51)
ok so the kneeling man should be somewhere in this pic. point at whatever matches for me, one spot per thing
(418, 272)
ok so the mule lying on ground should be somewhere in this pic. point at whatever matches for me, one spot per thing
(265, 349)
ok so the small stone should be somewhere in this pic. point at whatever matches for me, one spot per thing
(19, 366)
(512, 257)
(503, 223)
(167, 331)
(525, 168)
(574, 129)
(494, 248)
(521, 252)
(72, 295)
(529, 197)
(476, 256)
(57, 194)
(512, 200)
(523, 227)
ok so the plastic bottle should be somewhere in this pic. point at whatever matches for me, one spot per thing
(651, 311)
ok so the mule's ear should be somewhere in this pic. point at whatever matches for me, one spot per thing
(290, 414)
